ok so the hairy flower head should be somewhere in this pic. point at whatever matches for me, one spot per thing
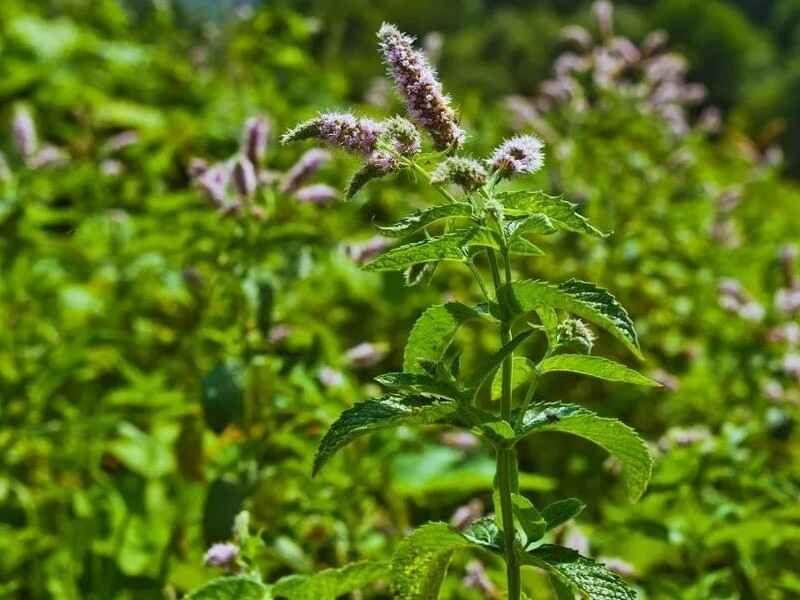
(343, 130)
(417, 82)
(574, 332)
(466, 172)
(401, 134)
(222, 555)
(519, 155)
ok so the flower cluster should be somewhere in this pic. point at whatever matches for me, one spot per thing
(574, 332)
(231, 184)
(463, 171)
(343, 130)
(417, 82)
(519, 155)
(655, 79)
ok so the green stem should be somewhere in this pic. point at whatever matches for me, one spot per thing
(505, 456)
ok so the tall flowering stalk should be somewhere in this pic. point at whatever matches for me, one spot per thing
(484, 228)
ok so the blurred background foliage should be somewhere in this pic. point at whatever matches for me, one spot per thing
(164, 364)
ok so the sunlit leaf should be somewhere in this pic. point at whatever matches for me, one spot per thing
(419, 219)
(433, 332)
(330, 584)
(614, 436)
(232, 588)
(561, 213)
(594, 366)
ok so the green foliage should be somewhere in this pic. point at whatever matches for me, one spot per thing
(232, 588)
(610, 434)
(594, 366)
(329, 584)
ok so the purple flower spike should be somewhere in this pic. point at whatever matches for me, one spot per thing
(222, 555)
(303, 169)
(519, 155)
(254, 139)
(357, 135)
(244, 177)
(319, 194)
(24, 131)
(213, 181)
(417, 82)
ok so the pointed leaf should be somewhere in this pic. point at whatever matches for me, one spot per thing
(490, 367)
(432, 333)
(420, 384)
(420, 562)
(524, 247)
(614, 436)
(529, 519)
(484, 532)
(594, 366)
(562, 214)
(561, 511)
(382, 413)
(330, 584)
(231, 588)
(422, 218)
(537, 224)
(580, 298)
(594, 580)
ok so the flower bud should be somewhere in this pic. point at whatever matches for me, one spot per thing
(465, 172)
(304, 168)
(244, 177)
(318, 194)
(214, 181)
(419, 86)
(574, 332)
(24, 132)
(222, 555)
(519, 155)
(254, 139)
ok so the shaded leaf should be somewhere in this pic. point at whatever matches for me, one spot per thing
(580, 298)
(422, 218)
(484, 532)
(592, 579)
(594, 366)
(382, 413)
(433, 332)
(561, 511)
(529, 520)
(418, 383)
(614, 436)
(420, 562)
(223, 396)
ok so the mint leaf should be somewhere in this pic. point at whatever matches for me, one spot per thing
(522, 371)
(561, 213)
(422, 218)
(594, 366)
(418, 383)
(530, 521)
(614, 436)
(375, 414)
(330, 584)
(231, 588)
(420, 562)
(561, 511)
(592, 579)
(433, 332)
(580, 298)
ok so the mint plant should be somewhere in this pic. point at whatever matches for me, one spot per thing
(484, 223)
(483, 227)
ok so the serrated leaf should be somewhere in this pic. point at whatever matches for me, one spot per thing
(522, 371)
(594, 366)
(420, 562)
(422, 218)
(594, 580)
(433, 332)
(361, 178)
(375, 414)
(562, 214)
(529, 519)
(418, 383)
(524, 247)
(490, 367)
(614, 436)
(330, 584)
(580, 298)
(561, 511)
(231, 588)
